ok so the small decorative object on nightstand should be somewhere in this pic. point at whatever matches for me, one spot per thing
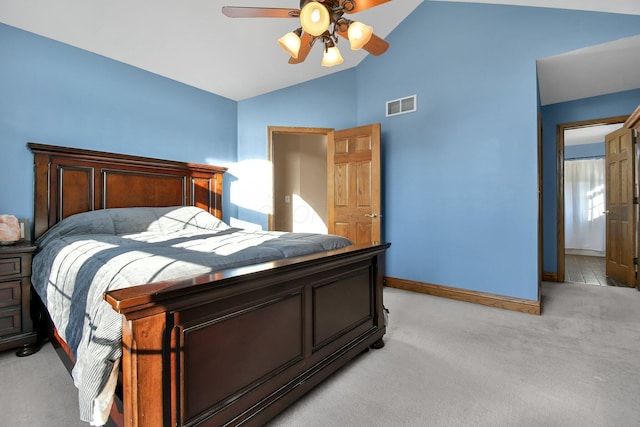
(16, 326)
(9, 229)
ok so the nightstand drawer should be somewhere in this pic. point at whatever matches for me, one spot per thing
(10, 267)
(10, 321)
(10, 293)
(16, 325)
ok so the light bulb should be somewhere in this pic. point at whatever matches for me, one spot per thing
(332, 57)
(290, 43)
(359, 35)
(314, 18)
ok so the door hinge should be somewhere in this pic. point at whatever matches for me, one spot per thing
(635, 261)
(635, 200)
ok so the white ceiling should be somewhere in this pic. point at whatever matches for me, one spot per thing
(596, 70)
(588, 134)
(192, 42)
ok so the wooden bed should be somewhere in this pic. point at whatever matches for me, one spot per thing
(235, 347)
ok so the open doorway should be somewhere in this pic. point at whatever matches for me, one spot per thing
(581, 201)
(299, 159)
(340, 195)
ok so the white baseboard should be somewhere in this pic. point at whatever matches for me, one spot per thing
(584, 252)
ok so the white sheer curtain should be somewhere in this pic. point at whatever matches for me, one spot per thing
(584, 204)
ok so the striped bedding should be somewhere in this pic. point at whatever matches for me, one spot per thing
(87, 254)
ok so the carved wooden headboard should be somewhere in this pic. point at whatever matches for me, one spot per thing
(68, 181)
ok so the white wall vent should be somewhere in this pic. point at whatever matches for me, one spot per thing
(402, 105)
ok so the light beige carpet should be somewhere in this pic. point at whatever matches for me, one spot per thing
(448, 363)
(445, 363)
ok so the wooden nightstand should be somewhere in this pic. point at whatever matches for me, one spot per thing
(16, 326)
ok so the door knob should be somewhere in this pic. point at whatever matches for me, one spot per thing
(372, 215)
(607, 212)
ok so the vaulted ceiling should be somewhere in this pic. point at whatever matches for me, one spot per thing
(194, 43)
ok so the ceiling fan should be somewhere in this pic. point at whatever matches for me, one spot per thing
(320, 20)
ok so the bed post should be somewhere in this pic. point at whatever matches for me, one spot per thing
(379, 273)
(144, 381)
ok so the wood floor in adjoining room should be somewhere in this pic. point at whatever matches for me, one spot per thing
(589, 270)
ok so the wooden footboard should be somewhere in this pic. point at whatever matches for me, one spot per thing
(239, 346)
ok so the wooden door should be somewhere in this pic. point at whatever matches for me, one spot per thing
(621, 224)
(353, 172)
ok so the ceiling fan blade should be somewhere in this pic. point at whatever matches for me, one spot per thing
(376, 46)
(259, 12)
(305, 48)
(366, 4)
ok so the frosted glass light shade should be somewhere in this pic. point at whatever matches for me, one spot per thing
(290, 43)
(359, 35)
(332, 57)
(314, 18)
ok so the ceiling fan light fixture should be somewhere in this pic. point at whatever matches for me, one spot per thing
(315, 18)
(359, 35)
(290, 43)
(331, 57)
(321, 21)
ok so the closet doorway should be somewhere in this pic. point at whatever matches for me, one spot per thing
(299, 159)
(338, 194)
(582, 220)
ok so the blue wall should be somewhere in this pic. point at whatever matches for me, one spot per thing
(460, 176)
(597, 107)
(52, 93)
(584, 151)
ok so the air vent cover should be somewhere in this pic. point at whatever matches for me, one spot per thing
(402, 105)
